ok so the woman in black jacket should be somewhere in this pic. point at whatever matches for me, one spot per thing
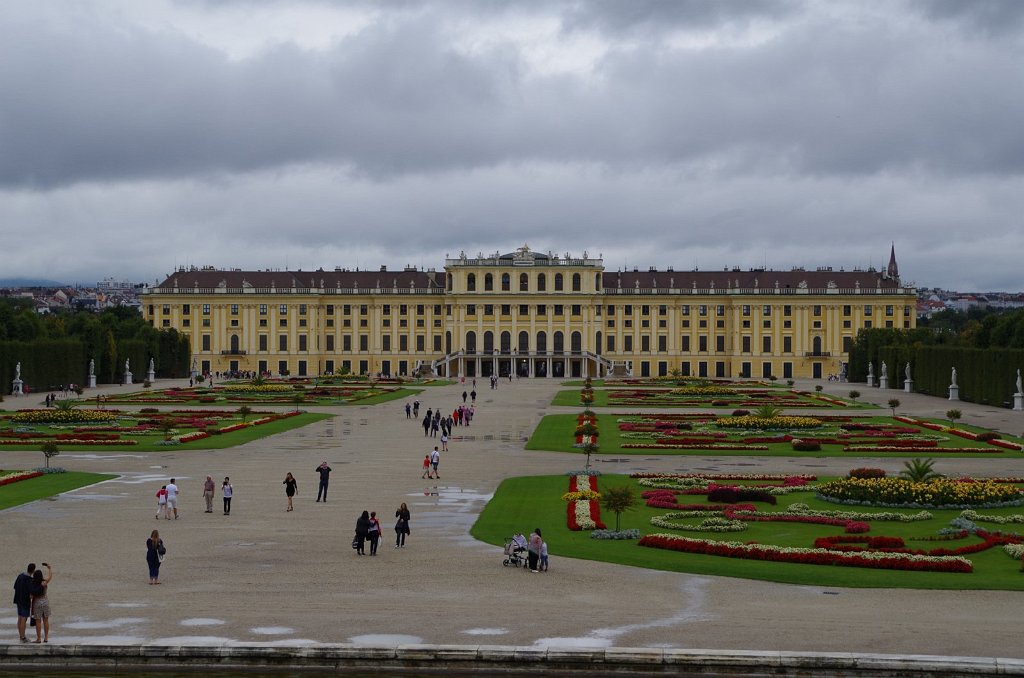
(362, 528)
(401, 525)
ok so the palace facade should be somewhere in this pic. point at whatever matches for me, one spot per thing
(531, 314)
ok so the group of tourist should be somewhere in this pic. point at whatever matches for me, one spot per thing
(536, 549)
(30, 597)
(167, 497)
(368, 529)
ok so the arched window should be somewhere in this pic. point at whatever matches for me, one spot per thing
(449, 282)
(488, 342)
(558, 282)
(524, 342)
(542, 342)
(817, 346)
(488, 283)
(597, 282)
(471, 282)
(448, 342)
(234, 344)
(577, 282)
(524, 282)
(506, 342)
(471, 342)
(559, 343)
(506, 282)
(597, 344)
(576, 342)
(542, 282)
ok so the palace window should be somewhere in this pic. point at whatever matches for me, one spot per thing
(558, 282)
(577, 282)
(506, 282)
(524, 282)
(488, 283)
(542, 282)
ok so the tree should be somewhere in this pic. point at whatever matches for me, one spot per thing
(919, 470)
(953, 415)
(244, 411)
(854, 395)
(617, 500)
(893, 404)
(819, 388)
(49, 449)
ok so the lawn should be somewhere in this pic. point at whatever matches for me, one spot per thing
(521, 504)
(145, 431)
(47, 485)
(266, 394)
(622, 434)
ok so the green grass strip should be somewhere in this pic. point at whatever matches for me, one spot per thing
(48, 485)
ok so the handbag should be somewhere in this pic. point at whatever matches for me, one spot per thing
(355, 542)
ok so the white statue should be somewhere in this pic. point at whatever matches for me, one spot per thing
(127, 362)
(885, 371)
(907, 371)
(952, 378)
(152, 366)
(1019, 388)
(871, 370)
(17, 371)
(92, 367)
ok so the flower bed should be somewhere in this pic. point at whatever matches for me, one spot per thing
(583, 513)
(17, 476)
(935, 493)
(55, 416)
(808, 556)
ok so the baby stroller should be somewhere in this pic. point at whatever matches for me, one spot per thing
(515, 553)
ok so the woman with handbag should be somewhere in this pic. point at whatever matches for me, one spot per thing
(155, 552)
(374, 533)
(362, 531)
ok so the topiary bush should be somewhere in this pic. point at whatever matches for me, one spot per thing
(740, 413)
(866, 472)
(987, 435)
(806, 445)
(732, 494)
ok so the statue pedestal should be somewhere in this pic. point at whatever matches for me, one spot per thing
(1018, 402)
(954, 392)
(92, 381)
(883, 382)
(17, 387)
(128, 379)
(908, 386)
(871, 381)
(151, 376)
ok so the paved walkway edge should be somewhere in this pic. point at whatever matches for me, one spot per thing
(498, 659)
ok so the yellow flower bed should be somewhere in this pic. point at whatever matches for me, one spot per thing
(582, 495)
(702, 391)
(62, 416)
(752, 421)
(937, 492)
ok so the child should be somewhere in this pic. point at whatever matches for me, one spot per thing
(444, 442)
(426, 467)
(543, 556)
(161, 501)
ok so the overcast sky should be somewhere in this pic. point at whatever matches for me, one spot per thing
(141, 135)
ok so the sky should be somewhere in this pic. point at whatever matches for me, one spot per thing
(139, 136)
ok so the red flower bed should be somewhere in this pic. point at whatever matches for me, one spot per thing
(896, 545)
(23, 476)
(1005, 444)
(851, 526)
(759, 552)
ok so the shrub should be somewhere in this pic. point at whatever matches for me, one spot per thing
(985, 436)
(740, 413)
(866, 472)
(854, 395)
(148, 410)
(631, 533)
(806, 445)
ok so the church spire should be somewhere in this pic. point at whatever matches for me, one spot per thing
(892, 270)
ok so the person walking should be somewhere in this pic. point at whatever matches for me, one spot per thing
(444, 441)
(533, 548)
(401, 525)
(472, 396)
(464, 394)
(435, 459)
(227, 492)
(291, 488)
(161, 502)
(408, 411)
(362, 532)
(426, 425)
(374, 533)
(41, 603)
(426, 466)
(23, 599)
(208, 489)
(172, 499)
(155, 552)
(543, 556)
(325, 475)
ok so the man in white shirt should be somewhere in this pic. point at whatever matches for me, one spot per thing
(435, 459)
(172, 499)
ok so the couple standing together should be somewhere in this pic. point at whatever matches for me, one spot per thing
(368, 528)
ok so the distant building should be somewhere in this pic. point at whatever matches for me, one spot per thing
(531, 314)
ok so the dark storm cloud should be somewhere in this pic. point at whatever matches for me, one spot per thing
(990, 17)
(655, 16)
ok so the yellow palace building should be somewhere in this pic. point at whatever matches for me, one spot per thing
(530, 314)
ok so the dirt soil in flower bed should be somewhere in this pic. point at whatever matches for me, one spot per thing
(839, 436)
